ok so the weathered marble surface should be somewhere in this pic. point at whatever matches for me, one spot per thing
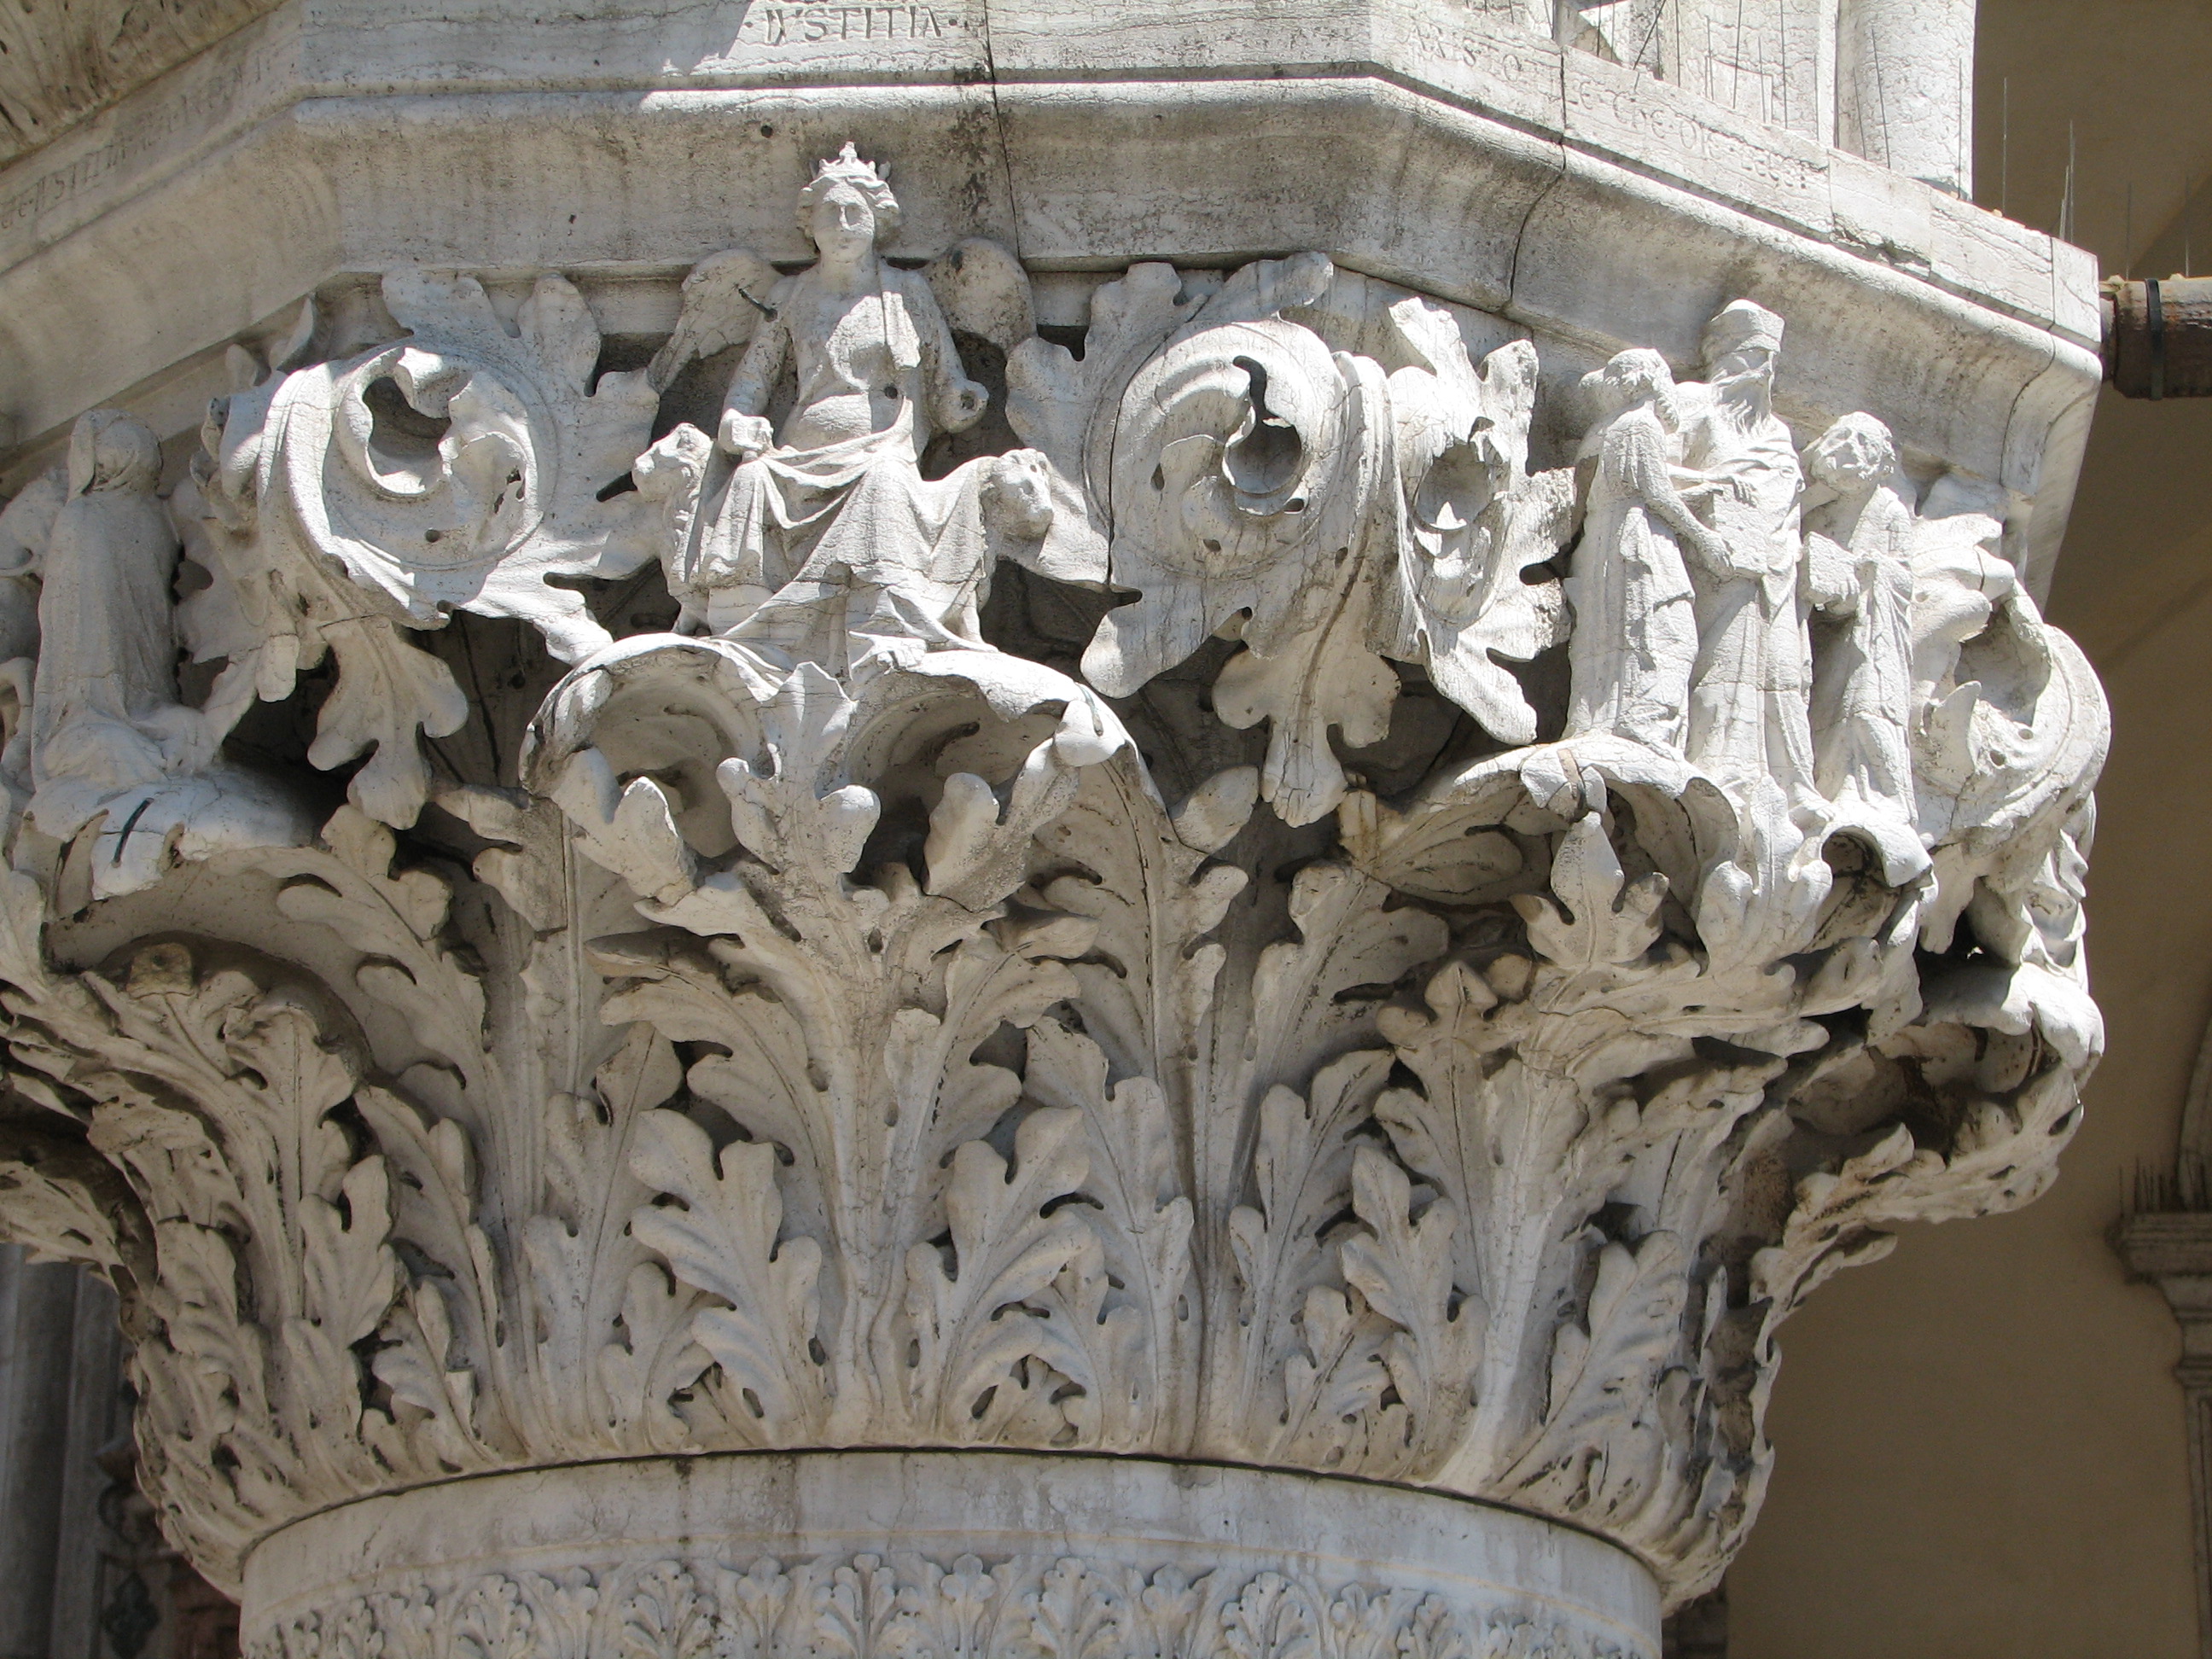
(1875, 76)
(1418, 991)
(989, 1555)
(1146, 800)
(632, 137)
(59, 63)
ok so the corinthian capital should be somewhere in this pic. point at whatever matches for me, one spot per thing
(1327, 883)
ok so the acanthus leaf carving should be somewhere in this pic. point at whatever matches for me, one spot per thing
(457, 468)
(1301, 1338)
(868, 1605)
(1403, 1268)
(1127, 1298)
(983, 1359)
(726, 1242)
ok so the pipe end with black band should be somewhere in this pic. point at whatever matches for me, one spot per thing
(2158, 336)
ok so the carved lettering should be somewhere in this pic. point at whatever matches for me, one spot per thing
(787, 25)
(144, 132)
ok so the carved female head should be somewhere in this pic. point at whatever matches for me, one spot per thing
(848, 208)
(1854, 454)
(109, 450)
(1637, 376)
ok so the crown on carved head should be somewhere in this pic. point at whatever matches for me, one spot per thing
(872, 181)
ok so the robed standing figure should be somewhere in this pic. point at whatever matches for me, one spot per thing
(1860, 543)
(1635, 637)
(1749, 691)
(105, 712)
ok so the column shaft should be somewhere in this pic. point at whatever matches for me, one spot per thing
(38, 1314)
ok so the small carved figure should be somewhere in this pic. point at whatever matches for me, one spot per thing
(27, 525)
(109, 743)
(105, 712)
(823, 543)
(1635, 637)
(1960, 582)
(1859, 563)
(1748, 694)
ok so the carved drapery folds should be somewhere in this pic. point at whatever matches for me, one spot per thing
(1333, 898)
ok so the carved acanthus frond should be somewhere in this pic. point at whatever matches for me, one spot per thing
(861, 1604)
(457, 468)
(63, 1198)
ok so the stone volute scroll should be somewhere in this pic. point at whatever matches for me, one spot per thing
(1301, 912)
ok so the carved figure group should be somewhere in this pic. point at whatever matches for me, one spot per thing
(1689, 634)
(1750, 612)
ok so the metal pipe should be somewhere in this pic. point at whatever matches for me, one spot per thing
(2158, 336)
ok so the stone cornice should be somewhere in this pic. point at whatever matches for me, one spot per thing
(1482, 65)
(2161, 1246)
(62, 65)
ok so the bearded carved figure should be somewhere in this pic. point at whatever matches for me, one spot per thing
(1318, 885)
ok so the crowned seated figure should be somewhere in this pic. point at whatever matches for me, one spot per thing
(823, 543)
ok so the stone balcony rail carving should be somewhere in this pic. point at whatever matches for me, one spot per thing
(1316, 885)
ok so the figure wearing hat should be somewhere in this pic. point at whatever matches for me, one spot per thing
(1749, 689)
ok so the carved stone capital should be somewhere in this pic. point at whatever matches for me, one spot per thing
(1258, 921)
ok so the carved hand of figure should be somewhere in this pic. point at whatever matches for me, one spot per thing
(1700, 495)
(1830, 579)
(1710, 548)
(744, 435)
(900, 653)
